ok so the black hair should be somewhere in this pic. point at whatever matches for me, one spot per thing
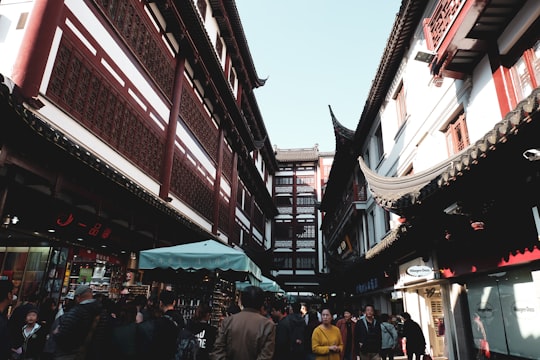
(296, 307)
(406, 316)
(6, 286)
(253, 297)
(167, 297)
(201, 312)
(384, 317)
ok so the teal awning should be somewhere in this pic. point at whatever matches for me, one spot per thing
(266, 284)
(207, 254)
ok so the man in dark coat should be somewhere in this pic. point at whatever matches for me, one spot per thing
(6, 287)
(76, 325)
(415, 340)
(368, 336)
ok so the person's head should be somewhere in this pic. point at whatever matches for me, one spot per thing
(312, 316)
(406, 316)
(326, 316)
(127, 313)
(296, 308)
(369, 311)
(384, 317)
(167, 299)
(202, 313)
(303, 309)
(253, 297)
(82, 293)
(347, 314)
(278, 311)
(6, 293)
(140, 301)
(32, 316)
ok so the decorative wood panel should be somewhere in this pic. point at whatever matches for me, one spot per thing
(224, 216)
(192, 188)
(140, 35)
(87, 95)
(227, 168)
(198, 121)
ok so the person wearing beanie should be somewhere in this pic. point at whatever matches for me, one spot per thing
(32, 337)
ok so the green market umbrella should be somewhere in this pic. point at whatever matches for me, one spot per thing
(208, 254)
(266, 284)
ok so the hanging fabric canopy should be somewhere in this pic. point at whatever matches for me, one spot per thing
(207, 254)
(266, 284)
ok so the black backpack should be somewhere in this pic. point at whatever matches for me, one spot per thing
(187, 346)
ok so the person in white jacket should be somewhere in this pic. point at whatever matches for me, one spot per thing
(389, 338)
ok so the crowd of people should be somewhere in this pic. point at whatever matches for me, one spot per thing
(94, 327)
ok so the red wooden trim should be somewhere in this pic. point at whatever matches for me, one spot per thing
(36, 45)
(511, 92)
(500, 89)
(168, 156)
(529, 61)
(234, 193)
(457, 25)
(217, 181)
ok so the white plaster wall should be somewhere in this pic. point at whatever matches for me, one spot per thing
(483, 111)
(10, 37)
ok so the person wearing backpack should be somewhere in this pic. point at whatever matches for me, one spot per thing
(389, 336)
(204, 334)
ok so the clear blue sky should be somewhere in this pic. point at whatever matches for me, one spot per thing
(314, 53)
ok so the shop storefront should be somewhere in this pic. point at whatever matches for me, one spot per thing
(504, 308)
(423, 298)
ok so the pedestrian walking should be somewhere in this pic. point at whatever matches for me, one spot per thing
(389, 338)
(313, 322)
(204, 332)
(415, 342)
(326, 342)
(246, 335)
(368, 335)
(6, 296)
(346, 327)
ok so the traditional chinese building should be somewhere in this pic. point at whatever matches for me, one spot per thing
(297, 243)
(447, 147)
(126, 125)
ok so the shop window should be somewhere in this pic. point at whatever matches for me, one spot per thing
(306, 261)
(378, 139)
(283, 201)
(219, 47)
(284, 180)
(201, 5)
(305, 180)
(401, 108)
(505, 307)
(283, 261)
(306, 231)
(457, 135)
(305, 200)
(525, 73)
(283, 230)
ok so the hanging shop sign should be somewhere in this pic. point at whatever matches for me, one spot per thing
(419, 271)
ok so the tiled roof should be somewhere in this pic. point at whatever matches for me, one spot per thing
(398, 193)
(293, 155)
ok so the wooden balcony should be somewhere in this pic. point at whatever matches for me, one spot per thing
(459, 31)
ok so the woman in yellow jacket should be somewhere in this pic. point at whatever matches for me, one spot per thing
(326, 342)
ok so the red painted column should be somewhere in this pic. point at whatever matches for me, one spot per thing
(234, 194)
(497, 71)
(36, 45)
(217, 181)
(168, 154)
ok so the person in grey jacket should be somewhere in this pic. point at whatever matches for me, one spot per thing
(246, 335)
(389, 337)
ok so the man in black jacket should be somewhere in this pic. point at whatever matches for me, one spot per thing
(367, 335)
(415, 341)
(78, 324)
(6, 296)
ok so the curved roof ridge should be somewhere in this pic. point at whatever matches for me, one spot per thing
(387, 190)
(341, 132)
